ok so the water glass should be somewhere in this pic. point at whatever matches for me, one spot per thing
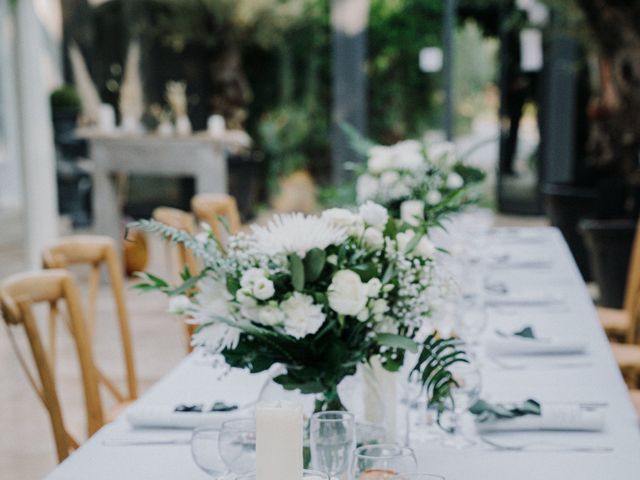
(204, 450)
(333, 439)
(237, 444)
(306, 475)
(471, 319)
(382, 462)
(467, 376)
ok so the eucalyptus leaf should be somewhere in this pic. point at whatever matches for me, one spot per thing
(314, 263)
(297, 271)
(397, 341)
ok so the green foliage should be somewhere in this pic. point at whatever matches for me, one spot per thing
(433, 368)
(489, 412)
(65, 96)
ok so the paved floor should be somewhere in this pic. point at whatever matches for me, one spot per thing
(26, 443)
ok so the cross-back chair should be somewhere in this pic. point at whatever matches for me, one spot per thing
(95, 251)
(209, 207)
(624, 322)
(18, 294)
(177, 255)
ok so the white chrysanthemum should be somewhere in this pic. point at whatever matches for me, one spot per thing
(351, 222)
(301, 316)
(210, 305)
(297, 233)
(366, 187)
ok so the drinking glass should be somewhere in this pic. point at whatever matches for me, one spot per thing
(420, 419)
(463, 396)
(471, 319)
(333, 438)
(237, 444)
(204, 450)
(418, 476)
(382, 462)
(306, 475)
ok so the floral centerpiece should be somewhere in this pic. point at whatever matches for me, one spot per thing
(419, 183)
(318, 295)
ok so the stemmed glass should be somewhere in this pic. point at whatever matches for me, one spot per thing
(333, 438)
(204, 450)
(237, 444)
(463, 396)
(471, 319)
(382, 462)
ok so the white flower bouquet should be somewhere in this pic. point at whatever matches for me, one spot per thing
(318, 295)
(418, 183)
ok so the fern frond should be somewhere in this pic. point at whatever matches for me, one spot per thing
(177, 236)
(433, 368)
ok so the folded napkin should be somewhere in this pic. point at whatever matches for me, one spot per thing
(165, 416)
(520, 259)
(519, 345)
(523, 297)
(532, 416)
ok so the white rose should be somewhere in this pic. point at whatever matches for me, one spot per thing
(341, 217)
(373, 287)
(271, 315)
(366, 188)
(454, 181)
(380, 307)
(374, 214)
(433, 197)
(373, 238)
(179, 305)
(443, 151)
(425, 248)
(244, 297)
(412, 212)
(363, 316)
(408, 146)
(400, 190)
(263, 289)
(380, 159)
(347, 294)
(250, 276)
(302, 316)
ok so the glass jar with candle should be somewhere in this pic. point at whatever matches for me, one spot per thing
(382, 462)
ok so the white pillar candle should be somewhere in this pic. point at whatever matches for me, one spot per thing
(380, 397)
(279, 441)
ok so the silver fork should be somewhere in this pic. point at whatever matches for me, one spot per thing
(545, 447)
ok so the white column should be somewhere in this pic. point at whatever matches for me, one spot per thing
(36, 135)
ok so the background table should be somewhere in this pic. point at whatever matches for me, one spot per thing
(598, 381)
(199, 156)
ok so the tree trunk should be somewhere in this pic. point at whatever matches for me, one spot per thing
(615, 135)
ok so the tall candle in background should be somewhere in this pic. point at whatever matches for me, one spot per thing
(279, 441)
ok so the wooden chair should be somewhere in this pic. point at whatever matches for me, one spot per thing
(622, 323)
(17, 295)
(209, 207)
(95, 250)
(178, 257)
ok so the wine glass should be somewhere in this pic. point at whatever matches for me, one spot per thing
(237, 445)
(467, 391)
(382, 462)
(333, 438)
(420, 419)
(471, 319)
(418, 476)
(204, 450)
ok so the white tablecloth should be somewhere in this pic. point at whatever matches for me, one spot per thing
(597, 380)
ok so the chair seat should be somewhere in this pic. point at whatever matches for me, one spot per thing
(627, 356)
(614, 321)
(635, 398)
(117, 410)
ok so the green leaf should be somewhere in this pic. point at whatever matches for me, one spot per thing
(314, 263)
(233, 284)
(297, 271)
(397, 341)
(526, 332)
(366, 271)
(413, 243)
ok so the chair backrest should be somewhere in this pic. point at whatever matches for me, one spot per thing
(17, 295)
(209, 207)
(178, 256)
(632, 290)
(96, 250)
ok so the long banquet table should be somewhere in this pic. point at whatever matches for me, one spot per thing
(595, 378)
